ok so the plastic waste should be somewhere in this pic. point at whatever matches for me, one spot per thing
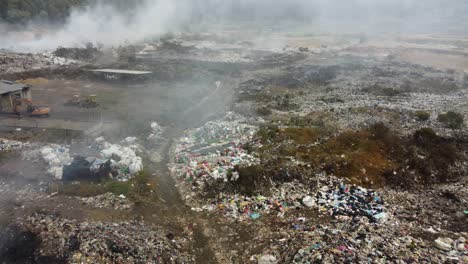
(308, 201)
(267, 259)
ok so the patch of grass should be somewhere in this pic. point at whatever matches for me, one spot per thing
(374, 156)
(267, 133)
(82, 189)
(118, 188)
(301, 135)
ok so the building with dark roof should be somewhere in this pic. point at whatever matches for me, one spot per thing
(12, 94)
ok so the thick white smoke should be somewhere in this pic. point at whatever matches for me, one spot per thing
(101, 23)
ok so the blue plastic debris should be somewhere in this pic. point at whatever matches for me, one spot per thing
(255, 216)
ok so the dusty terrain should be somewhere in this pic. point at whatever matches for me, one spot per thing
(253, 157)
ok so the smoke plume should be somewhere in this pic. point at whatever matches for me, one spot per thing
(103, 23)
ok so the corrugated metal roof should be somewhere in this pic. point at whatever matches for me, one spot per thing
(122, 71)
(7, 86)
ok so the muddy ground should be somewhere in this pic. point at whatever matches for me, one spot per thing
(337, 83)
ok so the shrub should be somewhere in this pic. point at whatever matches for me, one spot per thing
(264, 111)
(422, 115)
(267, 132)
(390, 92)
(425, 136)
(249, 178)
(451, 119)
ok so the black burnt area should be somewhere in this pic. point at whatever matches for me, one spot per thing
(18, 246)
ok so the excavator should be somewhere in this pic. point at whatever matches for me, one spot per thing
(31, 109)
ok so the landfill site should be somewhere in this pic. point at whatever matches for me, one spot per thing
(236, 145)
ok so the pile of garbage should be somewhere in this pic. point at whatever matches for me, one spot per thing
(99, 242)
(338, 243)
(232, 128)
(16, 62)
(243, 208)
(343, 201)
(207, 157)
(347, 204)
(123, 156)
(219, 165)
(10, 145)
(56, 157)
(108, 200)
(102, 160)
(211, 152)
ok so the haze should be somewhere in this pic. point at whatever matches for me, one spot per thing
(102, 23)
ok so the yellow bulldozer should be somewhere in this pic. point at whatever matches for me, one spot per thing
(89, 101)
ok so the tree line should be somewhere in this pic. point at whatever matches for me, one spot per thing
(22, 11)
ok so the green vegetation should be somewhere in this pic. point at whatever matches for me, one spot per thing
(451, 120)
(422, 115)
(267, 132)
(138, 188)
(374, 156)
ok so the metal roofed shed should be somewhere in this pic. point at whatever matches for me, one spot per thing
(118, 74)
(10, 93)
(9, 86)
(117, 71)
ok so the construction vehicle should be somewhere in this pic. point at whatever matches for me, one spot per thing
(87, 102)
(31, 109)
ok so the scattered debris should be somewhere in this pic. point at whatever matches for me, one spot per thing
(92, 242)
(108, 200)
(10, 145)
